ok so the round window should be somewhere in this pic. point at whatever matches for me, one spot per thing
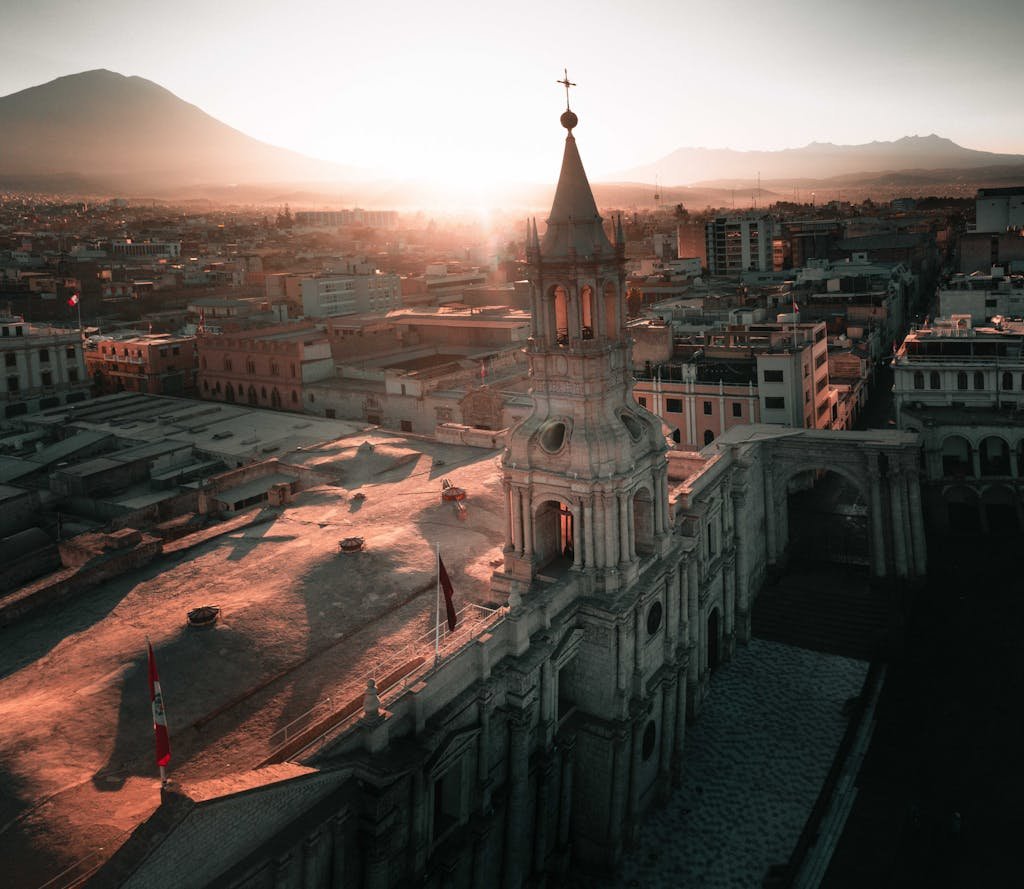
(636, 431)
(552, 437)
(650, 736)
(654, 618)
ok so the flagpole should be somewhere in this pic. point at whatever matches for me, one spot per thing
(437, 612)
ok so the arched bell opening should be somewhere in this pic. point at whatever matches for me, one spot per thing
(553, 537)
(643, 521)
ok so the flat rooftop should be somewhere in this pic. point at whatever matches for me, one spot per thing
(300, 622)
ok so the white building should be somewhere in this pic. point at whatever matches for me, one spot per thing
(999, 209)
(348, 294)
(43, 366)
(983, 297)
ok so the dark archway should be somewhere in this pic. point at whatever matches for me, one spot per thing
(713, 640)
(553, 546)
(828, 520)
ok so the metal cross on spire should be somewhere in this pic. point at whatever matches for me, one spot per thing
(566, 83)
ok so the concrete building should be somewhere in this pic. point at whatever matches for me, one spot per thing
(157, 363)
(983, 297)
(999, 209)
(387, 219)
(128, 247)
(43, 366)
(960, 387)
(347, 294)
(268, 367)
(737, 244)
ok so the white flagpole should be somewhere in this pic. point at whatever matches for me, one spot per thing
(437, 612)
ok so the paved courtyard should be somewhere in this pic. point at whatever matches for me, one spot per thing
(755, 763)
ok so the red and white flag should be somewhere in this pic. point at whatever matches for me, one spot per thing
(163, 740)
(796, 308)
(446, 588)
(73, 299)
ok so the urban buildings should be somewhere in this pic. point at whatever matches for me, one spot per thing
(158, 363)
(43, 366)
(737, 244)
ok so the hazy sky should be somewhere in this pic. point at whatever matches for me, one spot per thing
(451, 88)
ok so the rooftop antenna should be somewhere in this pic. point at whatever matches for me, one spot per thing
(657, 194)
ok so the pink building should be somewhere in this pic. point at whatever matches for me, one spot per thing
(268, 367)
(156, 363)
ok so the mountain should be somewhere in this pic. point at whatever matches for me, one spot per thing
(818, 160)
(102, 129)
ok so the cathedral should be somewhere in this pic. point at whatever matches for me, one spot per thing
(628, 571)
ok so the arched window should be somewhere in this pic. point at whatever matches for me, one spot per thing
(561, 298)
(587, 312)
(1007, 381)
(961, 380)
(979, 380)
(934, 380)
(918, 379)
(709, 436)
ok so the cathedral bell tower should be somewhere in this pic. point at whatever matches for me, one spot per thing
(585, 473)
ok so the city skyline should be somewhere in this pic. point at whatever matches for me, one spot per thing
(450, 94)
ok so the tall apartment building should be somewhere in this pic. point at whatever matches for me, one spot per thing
(266, 368)
(737, 244)
(43, 366)
(157, 364)
(349, 294)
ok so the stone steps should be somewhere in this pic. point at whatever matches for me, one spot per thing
(844, 619)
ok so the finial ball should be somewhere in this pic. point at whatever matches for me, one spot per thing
(569, 119)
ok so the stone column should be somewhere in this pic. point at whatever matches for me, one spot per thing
(338, 826)
(742, 573)
(624, 555)
(376, 863)
(577, 536)
(600, 552)
(671, 611)
(619, 790)
(633, 798)
(527, 523)
(509, 516)
(976, 461)
(589, 557)
(769, 515)
(516, 497)
(630, 508)
(419, 838)
(610, 510)
(668, 728)
(544, 815)
(485, 708)
(518, 797)
(659, 508)
(568, 745)
(729, 607)
(878, 560)
(482, 866)
(311, 847)
(782, 525)
(917, 524)
(692, 596)
(679, 737)
(898, 527)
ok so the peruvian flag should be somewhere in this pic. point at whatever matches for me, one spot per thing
(796, 308)
(163, 740)
(73, 299)
(446, 588)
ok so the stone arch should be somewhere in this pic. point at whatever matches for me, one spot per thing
(994, 455)
(252, 395)
(956, 457)
(229, 392)
(275, 398)
(643, 520)
(999, 506)
(554, 521)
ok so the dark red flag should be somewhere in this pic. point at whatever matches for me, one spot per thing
(163, 740)
(446, 587)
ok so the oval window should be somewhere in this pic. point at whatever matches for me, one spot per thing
(654, 618)
(633, 427)
(552, 437)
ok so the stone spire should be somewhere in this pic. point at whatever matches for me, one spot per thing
(574, 223)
